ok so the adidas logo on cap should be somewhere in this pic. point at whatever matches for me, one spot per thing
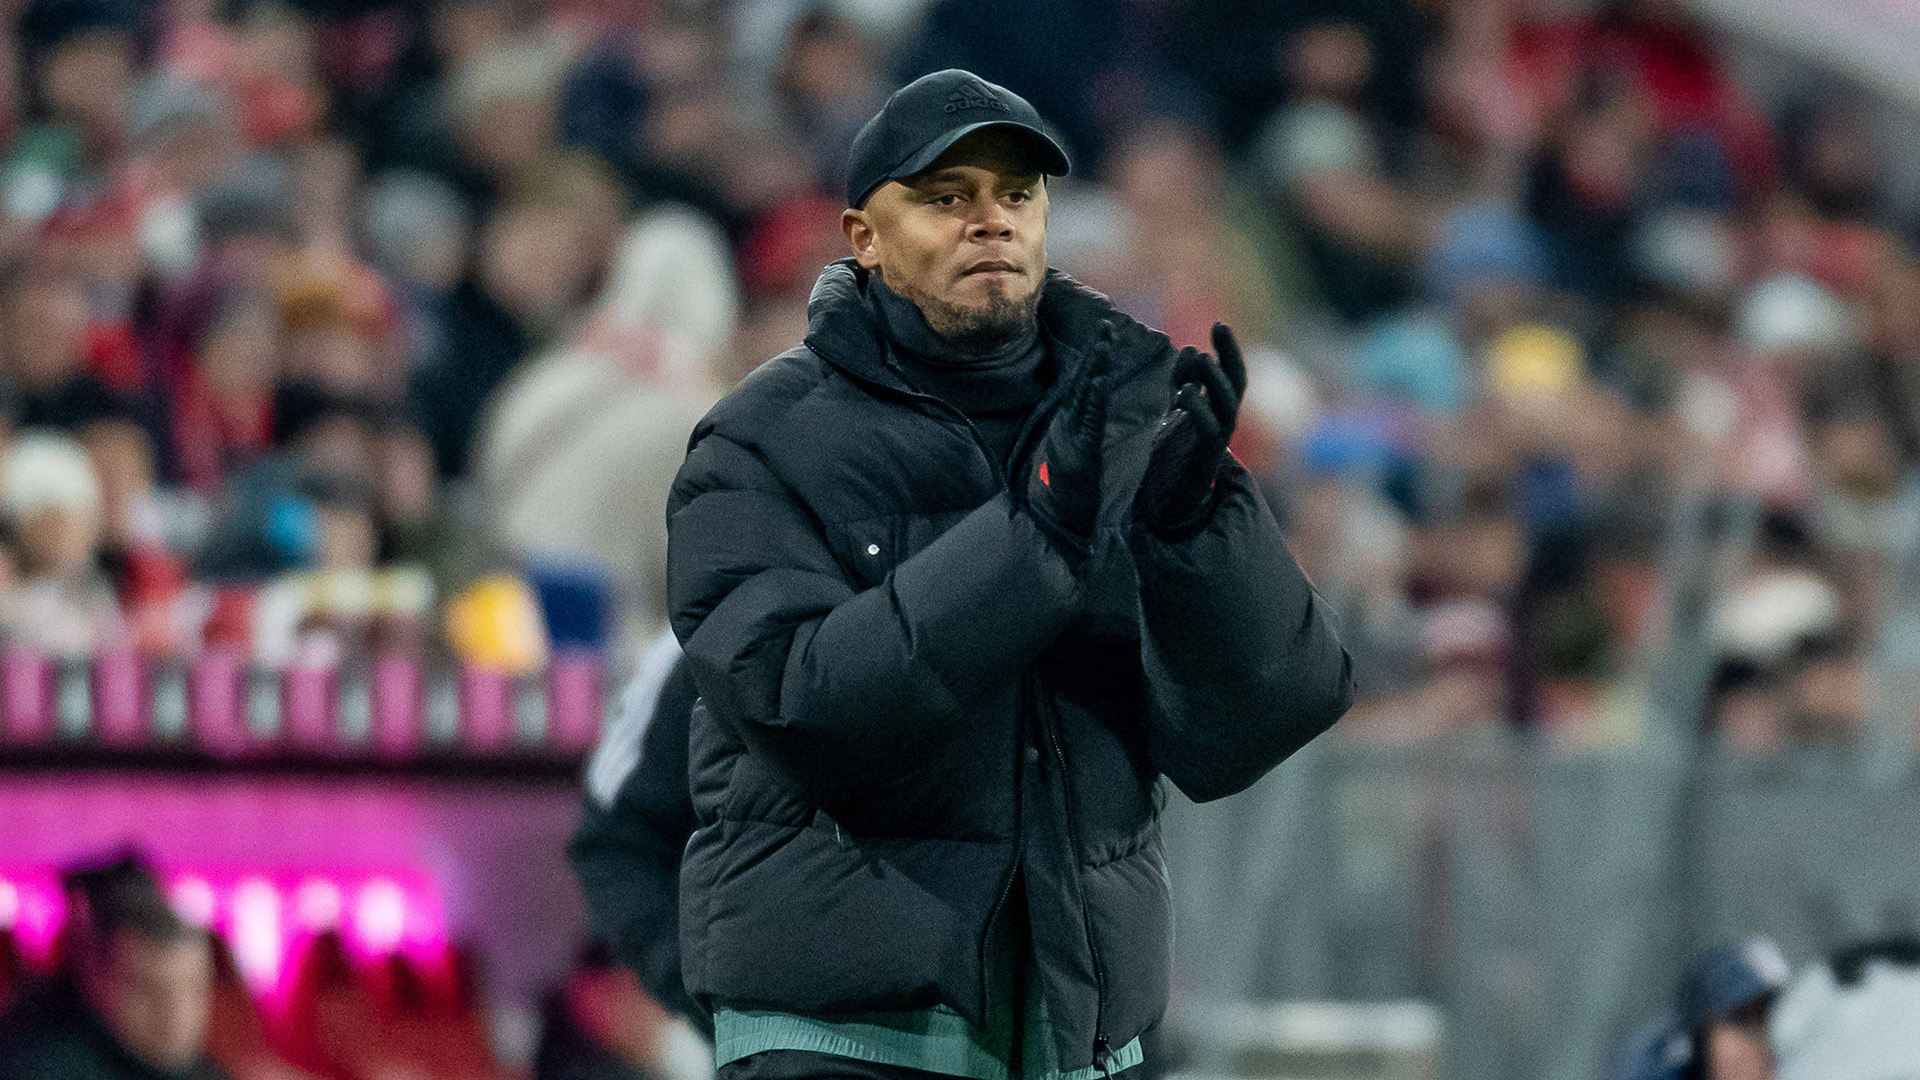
(975, 96)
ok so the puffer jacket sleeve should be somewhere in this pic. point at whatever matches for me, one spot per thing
(827, 680)
(1243, 665)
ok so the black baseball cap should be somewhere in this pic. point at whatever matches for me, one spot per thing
(927, 116)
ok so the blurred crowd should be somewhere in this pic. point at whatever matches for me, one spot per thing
(134, 991)
(1739, 1013)
(1587, 382)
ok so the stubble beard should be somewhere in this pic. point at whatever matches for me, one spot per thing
(978, 329)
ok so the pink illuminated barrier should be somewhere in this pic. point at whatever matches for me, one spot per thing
(389, 709)
(266, 917)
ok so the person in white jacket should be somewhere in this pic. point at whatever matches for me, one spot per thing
(1856, 1017)
(580, 445)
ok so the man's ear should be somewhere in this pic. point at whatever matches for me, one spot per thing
(860, 236)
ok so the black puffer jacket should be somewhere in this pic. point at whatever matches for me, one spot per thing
(907, 694)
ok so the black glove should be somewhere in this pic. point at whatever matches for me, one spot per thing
(1176, 495)
(1063, 485)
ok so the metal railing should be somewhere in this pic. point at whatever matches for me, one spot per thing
(1543, 900)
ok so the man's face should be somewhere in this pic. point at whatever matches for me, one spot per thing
(57, 542)
(47, 333)
(155, 997)
(85, 78)
(1739, 1051)
(531, 263)
(965, 239)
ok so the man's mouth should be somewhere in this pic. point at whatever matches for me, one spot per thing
(992, 266)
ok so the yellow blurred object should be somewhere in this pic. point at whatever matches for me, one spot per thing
(494, 624)
(326, 290)
(1535, 361)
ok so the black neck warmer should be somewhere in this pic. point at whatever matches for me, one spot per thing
(995, 388)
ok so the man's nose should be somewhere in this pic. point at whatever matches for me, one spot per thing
(993, 223)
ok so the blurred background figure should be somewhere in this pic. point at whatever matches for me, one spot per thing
(583, 442)
(50, 500)
(1852, 1017)
(635, 820)
(600, 1025)
(1716, 1027)
(134, 997)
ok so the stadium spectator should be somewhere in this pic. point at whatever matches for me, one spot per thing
(52, 505)
(1717, 1025)
(827, 84)
(530, 272)
(46, 323)
(220, 413)
(135, 997)
(78, 58)
(581, 445)
(1322, 156)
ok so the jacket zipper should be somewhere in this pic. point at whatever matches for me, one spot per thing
(1102, 1048)
(999, 467)
(941, 404)
(1044, 407)
(1019, 834)
(993, 913)
(1019, 853)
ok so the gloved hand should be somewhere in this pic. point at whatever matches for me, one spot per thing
(1063, 484)
(1176, 494)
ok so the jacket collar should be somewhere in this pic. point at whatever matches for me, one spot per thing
(842, 330)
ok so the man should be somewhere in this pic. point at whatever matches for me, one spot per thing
(958, 581)
(634, 824)
(135, 1000)
(78, 58)
(1716, 1025)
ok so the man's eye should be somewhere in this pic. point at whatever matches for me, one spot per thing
(947, 200)
(1020, 196)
